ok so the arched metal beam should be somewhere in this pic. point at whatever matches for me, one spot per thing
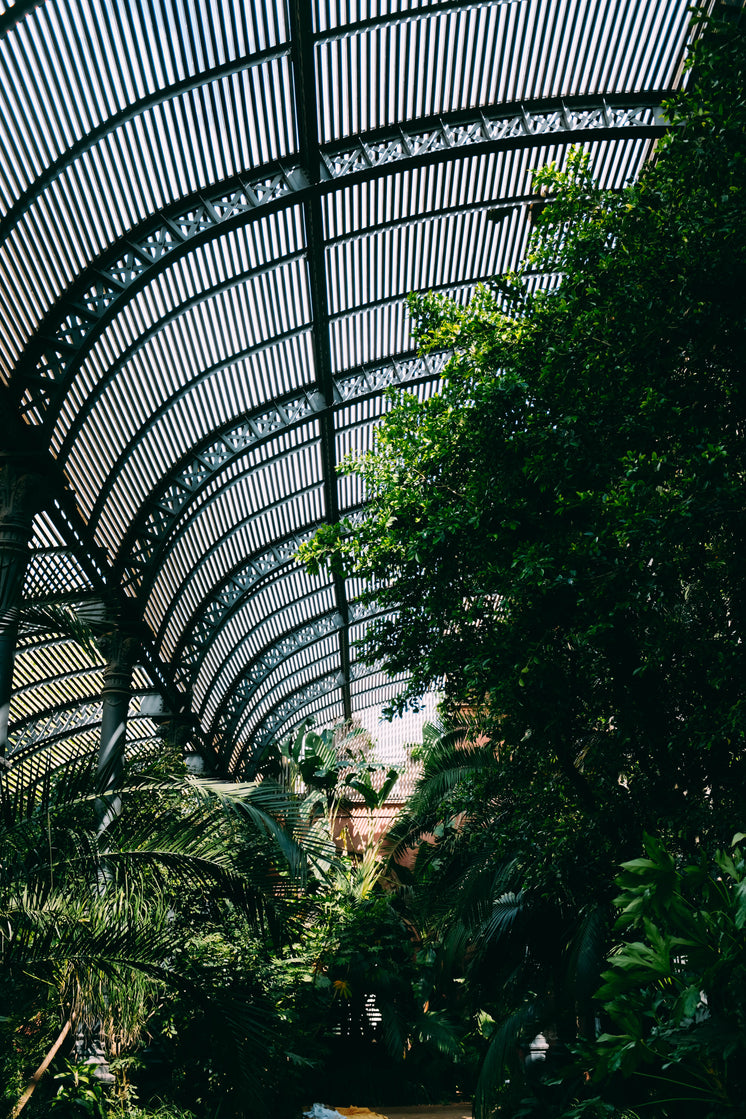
(205, 296)
(227, 598)
(233, 757)
(135, 109)
(143, 338)
(71, 328)
(208, 618)
(157, 520)
(358, 611)
(247, 681)
(159, 515)
(362, 383)
(78, 319)
(275, 720)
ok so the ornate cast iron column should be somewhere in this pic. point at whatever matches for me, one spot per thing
(120, 648)
(21, 496)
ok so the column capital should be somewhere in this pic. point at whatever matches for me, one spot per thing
(23, 489)
(120, 647)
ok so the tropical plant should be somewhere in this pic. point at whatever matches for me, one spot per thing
(93, 928)
(362, 978)
(518, 946)
(80, 1093)
(673, 996)
(556, 539)
(557, 535)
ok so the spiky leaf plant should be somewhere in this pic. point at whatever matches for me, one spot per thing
(93, 927)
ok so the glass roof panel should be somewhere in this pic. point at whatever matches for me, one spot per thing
(211, 212)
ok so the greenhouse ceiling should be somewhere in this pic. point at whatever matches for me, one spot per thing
(210, 217)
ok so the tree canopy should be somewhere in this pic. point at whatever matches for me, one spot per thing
(557, 537)
(556, 541)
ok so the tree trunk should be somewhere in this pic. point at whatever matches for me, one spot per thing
(31, 1086)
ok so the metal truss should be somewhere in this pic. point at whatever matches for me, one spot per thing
(226, 599)
(71, 328)
(273, 727)
(160, 515)
(158, 518)
(57, 724)
(130, 302)
(270, 725)
(244, 687)
(515, 124)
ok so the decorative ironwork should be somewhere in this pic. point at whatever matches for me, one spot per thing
(112, 283)
(159, 516)
(138, 338)
(242, 690)
(56, 724)
(226, 598)
(491, 127)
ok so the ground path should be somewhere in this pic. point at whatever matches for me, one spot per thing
(415, 1111)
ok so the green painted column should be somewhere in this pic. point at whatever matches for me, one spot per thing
(120, 648)
(21, 496)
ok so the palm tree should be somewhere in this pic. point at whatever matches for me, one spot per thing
(92, 926)
(526, 944)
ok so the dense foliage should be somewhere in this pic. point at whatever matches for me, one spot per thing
(169, 914)
(228, 951)
(556, 539)
(575, 493)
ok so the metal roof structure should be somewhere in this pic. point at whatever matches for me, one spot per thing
(210, 216)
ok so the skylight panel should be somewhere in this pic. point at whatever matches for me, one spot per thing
(82, 29)
(514, 53)
(27, 161)
(545, 47)
(351, 491)
(54, 73)
(40, 117)
(158, 390)
(9, 183)
(18, 316)
(575, 49)
(121, 52)
(608, 63)
(50, 228)
(455, 34)
(107, 157)
(46, 533)
(565, 35)
(665, 27)
(491, 31)
(600, 35)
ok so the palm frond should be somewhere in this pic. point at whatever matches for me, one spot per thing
(505, 912)
(270, 810)
(37, 784)
(394, 1033)
(437, 1027)
(501, 1058)
(453, 753)
(59, 618)
(588, 949)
